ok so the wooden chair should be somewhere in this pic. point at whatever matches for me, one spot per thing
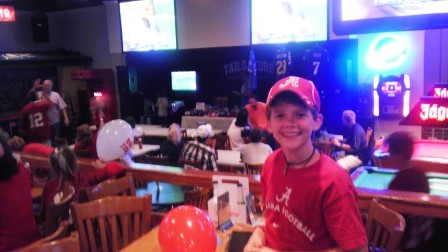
(61, 232)
(56, 213)
(324, 147)
(222, 142)
(123, 186)
(189, 164)
(83, 153)
(67, 244)
(60, 142)
(253, 168)
(111, 223)
(220, 102)
(185, 137)
(211, 142)
(158, 160)
(384, 227)
(198, 197)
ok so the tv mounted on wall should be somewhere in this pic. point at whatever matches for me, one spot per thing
(370, 16)
(288, 21)
(148, 25)
(183, 81)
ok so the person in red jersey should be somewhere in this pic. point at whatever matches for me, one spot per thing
(17, 225)
(310, 201)
(34, 125)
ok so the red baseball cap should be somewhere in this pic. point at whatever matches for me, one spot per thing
(304, 89)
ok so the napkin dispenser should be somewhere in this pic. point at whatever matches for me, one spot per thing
(238, 188)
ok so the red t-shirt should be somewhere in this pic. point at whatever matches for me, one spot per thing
(258, 117)
(34, 122)
(313, 208)
(17, 224)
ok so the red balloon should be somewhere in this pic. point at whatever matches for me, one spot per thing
(187, 228)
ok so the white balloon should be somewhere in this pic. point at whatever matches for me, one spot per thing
(114, 140)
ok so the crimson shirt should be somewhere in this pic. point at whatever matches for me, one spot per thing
(17, 224)
(309, 209)
(34, 122)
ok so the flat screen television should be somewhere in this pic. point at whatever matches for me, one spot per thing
(183, 81)
(288, 21)
(370, 16)
(148, 25)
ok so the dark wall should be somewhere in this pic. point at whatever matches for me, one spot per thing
(220, 72)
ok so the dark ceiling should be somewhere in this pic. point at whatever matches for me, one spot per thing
(51, 5)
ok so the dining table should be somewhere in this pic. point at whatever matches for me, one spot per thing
(150, 241)
(231, 159)
(163, 194)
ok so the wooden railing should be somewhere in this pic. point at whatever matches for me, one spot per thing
(403, 202)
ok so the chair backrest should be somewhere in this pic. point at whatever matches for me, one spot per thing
(84, 153)
(220, 101)
(61, 232)
(253, 168)
(211, 142)
(222, 142)
(158, 160)
(123, 186)
(185, 137)
(384, 227)
(198, 197)
(56, 213)
(67, 244)
(324, 147)
(188, 164)
(60, 141)
(111, 223)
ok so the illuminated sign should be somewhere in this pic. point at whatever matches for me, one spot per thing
(433, 112)
(97, 94)
(440, 92)
(7, 14)
(429, 112)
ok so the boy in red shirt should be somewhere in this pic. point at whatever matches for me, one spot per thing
(310, 201)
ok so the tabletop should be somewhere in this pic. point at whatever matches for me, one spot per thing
(150, 241)
(136, 151)
(158, 131)
(229, 157)
(163, 194)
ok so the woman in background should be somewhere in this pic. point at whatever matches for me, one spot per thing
(235, 131)
(172, 146)
(17, 225)
(85, 145)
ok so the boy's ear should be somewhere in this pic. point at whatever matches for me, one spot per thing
(318, 122)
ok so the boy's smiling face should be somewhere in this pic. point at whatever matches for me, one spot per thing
(292, 125)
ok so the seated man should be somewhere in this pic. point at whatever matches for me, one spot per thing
(355, 147)
(418, 228)
(197, 150)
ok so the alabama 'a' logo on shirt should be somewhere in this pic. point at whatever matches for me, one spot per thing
(284, 197)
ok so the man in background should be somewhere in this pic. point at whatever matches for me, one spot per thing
(54, 113)
(257, 114)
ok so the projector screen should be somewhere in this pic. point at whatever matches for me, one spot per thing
(288, 21)
(183, 81)
(148, 25)
(366, 16)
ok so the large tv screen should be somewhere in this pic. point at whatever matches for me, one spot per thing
(368, 16)
(275, 21)
(183, 81)
(148, 25)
